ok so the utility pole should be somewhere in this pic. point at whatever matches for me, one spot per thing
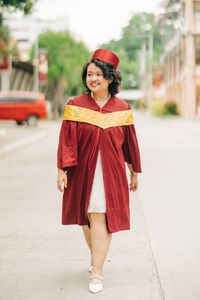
(143, 63)
(146, 68)
(150, 69)
(35, 66)
(189, 82)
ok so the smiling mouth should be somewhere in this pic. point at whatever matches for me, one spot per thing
(94, 84)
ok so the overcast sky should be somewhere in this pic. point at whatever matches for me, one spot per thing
(94, 21)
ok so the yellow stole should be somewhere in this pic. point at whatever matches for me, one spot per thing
(81, 114)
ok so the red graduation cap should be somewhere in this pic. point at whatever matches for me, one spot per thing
(106, 56)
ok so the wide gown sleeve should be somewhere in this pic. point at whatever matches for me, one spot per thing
(67, 154)
(131, 149)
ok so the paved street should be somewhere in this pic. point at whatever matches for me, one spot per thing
(158, 259)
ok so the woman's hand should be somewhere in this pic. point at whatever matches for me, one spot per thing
(133, 186)
(61, 180)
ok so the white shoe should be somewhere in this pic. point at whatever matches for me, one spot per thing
(96, 284)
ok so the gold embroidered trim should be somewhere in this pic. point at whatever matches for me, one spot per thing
(81, 114)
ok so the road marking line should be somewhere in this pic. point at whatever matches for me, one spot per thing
(21, 143)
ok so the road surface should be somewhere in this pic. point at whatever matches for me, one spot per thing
(159, 258)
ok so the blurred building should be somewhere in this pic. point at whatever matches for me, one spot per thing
(180, 27)
(26, 29)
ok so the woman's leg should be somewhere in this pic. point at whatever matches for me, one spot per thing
(87, 235)
(100, 241)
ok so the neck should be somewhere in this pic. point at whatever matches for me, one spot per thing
(103, 96)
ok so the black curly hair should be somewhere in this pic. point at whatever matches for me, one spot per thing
(108, 73)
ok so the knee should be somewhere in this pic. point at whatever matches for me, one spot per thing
(98, 218)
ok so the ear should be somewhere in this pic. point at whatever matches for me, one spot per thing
(110, 80)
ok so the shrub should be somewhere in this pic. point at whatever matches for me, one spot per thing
(139, 104)
(171, 108)
(160, 108)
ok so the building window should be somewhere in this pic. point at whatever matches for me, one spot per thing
(197, 16)
(197, 49)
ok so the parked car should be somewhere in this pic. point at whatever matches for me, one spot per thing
(23, 106)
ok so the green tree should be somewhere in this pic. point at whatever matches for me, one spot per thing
(129, 47)
(12, 5)
(66, 57)
(4, 39)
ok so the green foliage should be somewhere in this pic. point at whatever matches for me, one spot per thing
(171, 108)
(4, 39)
(161, 109)
(128, 68)
(24, 5)
(129, 47)
(12, 5)
(66, 58)
(4, 34)
(158, 108)
(139, 104)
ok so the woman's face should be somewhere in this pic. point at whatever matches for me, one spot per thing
(95, 80)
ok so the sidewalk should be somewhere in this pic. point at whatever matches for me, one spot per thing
(170, 199)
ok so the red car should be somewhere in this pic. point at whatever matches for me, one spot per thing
(23, 106)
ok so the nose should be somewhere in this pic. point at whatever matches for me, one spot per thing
(93, 77)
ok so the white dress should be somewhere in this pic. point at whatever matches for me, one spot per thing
(97, 199)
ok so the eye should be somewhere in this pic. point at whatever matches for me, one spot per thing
(99, 74)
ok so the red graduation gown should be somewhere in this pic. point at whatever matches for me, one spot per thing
(78, 147)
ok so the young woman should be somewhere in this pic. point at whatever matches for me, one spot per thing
(97, 137)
